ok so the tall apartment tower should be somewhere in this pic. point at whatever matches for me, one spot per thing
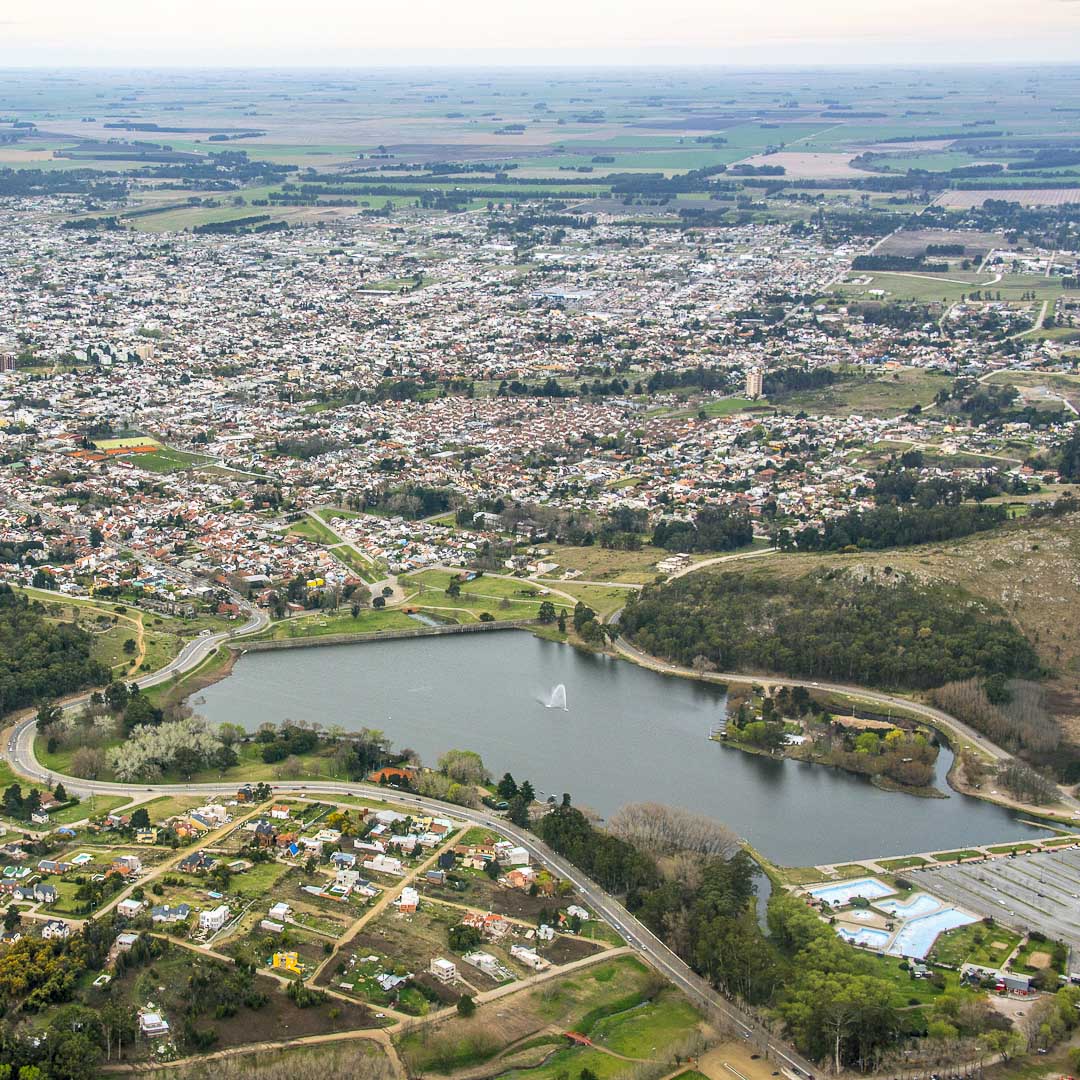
(753, 383)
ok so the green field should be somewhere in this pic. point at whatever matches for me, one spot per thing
(949, 287)
(167, 460)
(369, 621)
(504, 598)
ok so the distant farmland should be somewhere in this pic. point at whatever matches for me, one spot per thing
(965, 200)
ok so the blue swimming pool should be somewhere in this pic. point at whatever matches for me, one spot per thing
(865, 935)
(843, 892)
(917, 936)
(914, 907)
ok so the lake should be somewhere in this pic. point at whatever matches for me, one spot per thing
(628, 735)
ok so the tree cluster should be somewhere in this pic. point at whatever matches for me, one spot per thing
(876, 631)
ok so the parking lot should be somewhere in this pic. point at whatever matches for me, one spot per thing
(1037, 891)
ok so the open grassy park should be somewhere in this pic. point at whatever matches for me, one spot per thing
(886, 394)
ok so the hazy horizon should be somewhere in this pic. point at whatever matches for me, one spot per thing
(243, 34)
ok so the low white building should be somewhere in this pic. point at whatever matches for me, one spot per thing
(129, 908)
(152, 1024)
(214, 812)
(346, 878)
(529, 958)
(384, 864)
(280, 912)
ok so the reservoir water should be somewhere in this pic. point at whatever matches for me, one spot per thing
(628, 735)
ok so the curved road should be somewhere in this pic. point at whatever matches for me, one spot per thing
(20, 745)
(639, 937)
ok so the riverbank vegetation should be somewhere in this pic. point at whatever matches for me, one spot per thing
(881, 629)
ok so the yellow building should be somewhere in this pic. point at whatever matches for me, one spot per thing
(287, 961)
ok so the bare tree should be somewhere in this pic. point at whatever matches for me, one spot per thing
(668, 830)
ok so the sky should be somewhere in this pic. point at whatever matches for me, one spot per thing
(354, 33)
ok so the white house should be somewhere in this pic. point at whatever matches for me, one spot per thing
(214, 919)
(384, 864)
(280, 912)
(511, 856)
(580, 912)
(443, 970)
(56, 928)
(346, 878)
(487, 963)
(528, 957)
(129, 908)
(213, 812)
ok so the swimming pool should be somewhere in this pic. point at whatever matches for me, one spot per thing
(865, 935)
(917, 936)
(844, 892)
(914, 907)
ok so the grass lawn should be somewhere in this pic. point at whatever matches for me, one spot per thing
(956, 856)
(603, 564)
(179, 687)
(89, 807)
(907, 863)
(166, 806)
(369, 621)
(1044, 953)
(977, 943)
(930, 288)
(312, 529)
(572, 1003)
(851, 870)
(8, 777)
(258, 881)
(1059, 841)
(906, 988)
(1011, 849)
(503, 598)
(363, 568)
(603, 600)
(661, 1021)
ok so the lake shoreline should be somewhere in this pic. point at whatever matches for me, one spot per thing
(625, 737)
